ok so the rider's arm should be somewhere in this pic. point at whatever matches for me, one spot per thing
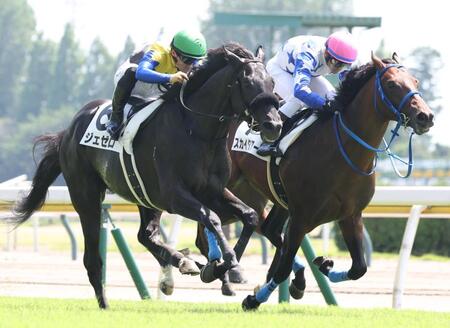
(146, 70)
(304, 63)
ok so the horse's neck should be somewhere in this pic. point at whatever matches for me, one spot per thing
(362, 118)
(213, 98)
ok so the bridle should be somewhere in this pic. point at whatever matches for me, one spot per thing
(401, 119)
(244, 115)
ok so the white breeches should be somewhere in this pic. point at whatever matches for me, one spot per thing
(141, 89)
(284, 86)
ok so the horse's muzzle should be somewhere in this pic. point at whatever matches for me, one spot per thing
(271, 130)
(422, 122)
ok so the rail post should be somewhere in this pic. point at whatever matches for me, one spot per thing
(320, 278)
(405, 251)
(124, 251)
(73, 241)
(283, 292)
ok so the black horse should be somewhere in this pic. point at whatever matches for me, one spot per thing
(181, 156)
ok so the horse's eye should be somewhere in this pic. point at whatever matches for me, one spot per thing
(392, 84)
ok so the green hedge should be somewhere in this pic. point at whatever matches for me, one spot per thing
(433, 236)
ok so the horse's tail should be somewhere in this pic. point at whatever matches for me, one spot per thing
(46, 173)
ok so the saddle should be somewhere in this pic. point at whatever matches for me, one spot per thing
(136, 112)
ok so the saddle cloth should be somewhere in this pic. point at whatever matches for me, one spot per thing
(96, 136)
(249, 141)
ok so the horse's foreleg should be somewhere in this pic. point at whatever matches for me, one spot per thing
(352, 231)
(202, 244)
(149, 236)
(228, 205)
(184, 203)
(291, 244)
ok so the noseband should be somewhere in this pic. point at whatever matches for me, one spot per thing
(401, 118)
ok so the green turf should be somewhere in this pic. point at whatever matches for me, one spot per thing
(41, 312)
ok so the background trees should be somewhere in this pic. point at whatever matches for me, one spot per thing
(43, 83)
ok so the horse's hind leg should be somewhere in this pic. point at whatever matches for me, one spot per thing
(87, 193)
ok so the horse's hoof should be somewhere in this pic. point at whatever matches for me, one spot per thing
(207, 272)
(325, 264)
(102, 303)
(227, 290)
(236, 275)
(188, 266)
(166, 288)
(250, 303)
(295, 292)
(318, 260)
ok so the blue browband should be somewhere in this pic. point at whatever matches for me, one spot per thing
(402, 120)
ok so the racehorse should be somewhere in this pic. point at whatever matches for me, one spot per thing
(327, 173)
(181, 156)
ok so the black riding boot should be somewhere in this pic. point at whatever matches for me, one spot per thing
(121, 94)
(269, 149)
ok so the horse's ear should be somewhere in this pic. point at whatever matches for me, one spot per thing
(377, 61)
(233, 58)
(396, 58)
(259, 53)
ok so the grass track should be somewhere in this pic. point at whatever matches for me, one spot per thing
(41, 312)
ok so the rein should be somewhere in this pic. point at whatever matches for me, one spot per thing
(220, 118)
(401, 119)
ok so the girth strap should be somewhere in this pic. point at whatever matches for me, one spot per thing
(274, 182)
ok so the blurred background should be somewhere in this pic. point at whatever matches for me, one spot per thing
(56, 55)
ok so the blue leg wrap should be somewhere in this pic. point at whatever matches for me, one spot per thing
(338, 276)
(214, 252)
(263, 294)
(297, 265)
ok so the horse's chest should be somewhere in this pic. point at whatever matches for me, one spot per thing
(208, 173)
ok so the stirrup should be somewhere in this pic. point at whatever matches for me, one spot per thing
(269, 150)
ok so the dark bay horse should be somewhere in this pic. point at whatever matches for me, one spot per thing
(180, 153)
(320, 184)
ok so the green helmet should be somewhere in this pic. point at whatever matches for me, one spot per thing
(189, 44)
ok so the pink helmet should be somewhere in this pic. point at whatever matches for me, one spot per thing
(341, 46)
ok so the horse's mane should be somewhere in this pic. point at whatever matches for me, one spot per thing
(216, 60)
(355, 79)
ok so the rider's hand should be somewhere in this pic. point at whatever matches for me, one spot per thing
(178, 77)
(327, 107)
